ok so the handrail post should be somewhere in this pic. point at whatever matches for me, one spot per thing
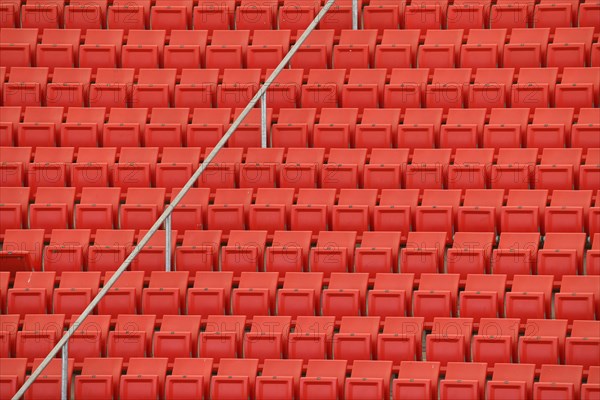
(64, 379)
(355, 14)
(174, 202)
(263, 120)
(168, 243)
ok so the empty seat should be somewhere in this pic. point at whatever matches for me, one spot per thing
(222, 336)
(437, 212)
(144, 49)
(145, 378)
(524, 211)
(255, 294)
(167, 127)
(31, 342)
(153, 256)
(251, 15)
(324, 379)
(279, 379)
(407, 89)
(364, 89)
(83, 14)
(344, 169)
(98, 208)
(592, 387)
(496, 341)
(50, 382)
(578, 298)
(267, 49)
(369, 378)
(480, 211)
(103, 372)
(568, 211)
(534, 88)
(59, 48)
(512, 380)
(102, 47)
(401, 339)
(311, 338)
(210, 294)
(301, 294)
(213, 17)
(316, 51)
(437, 296)
(186, 49)
(450, 340)
(89, 339)
(208, 126)
(428, 169)
(42, 13)
(398, 47)
(142, 207)
(345, 295)
(526, 48)
(562, 254)
(449, 88)
(506, 129)
(547, 346)
(189, 377)
(294, 127)
(558, 169)
(577, 88)
(323, 88)
(228, 211)
(53, 209)
(464, 380)
(302, 168)
(551, 127)
(244, 252)
(581, 348)
(227, 49)
(355, 49)
(177, 337)
(110, 249)
(391, 295)
(334, 252)
(267, 338)
(416, 379)
(177, 166)
(132, 337)
(14, 208)
(530, 297)
(169, 14)
(484, 47)
(378, 131)
(312, 211)
(425, 15)
(31, 293)
(378, 252)
(483, 296)
(84, 126)
(356, 339)
(441, 48)
(464, 130)
(401, 204)
(261, 169)
(40, 127)
(354, 210)
(223, 170)
(67, 251)
(199, 250)
(514, 168)
(154, 88)
(22, 250)
(271, 209)
(19, 46)
(112, 87)
(424, 253)
(549, 14)
(562, 380)
(237, 88)
(166, 293)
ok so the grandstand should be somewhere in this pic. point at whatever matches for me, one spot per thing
(299, 199)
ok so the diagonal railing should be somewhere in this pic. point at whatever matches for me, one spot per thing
(165, 217)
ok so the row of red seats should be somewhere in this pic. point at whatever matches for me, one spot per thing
(302, 168)
(313, 210)
(345, 294)
(544, 341)
(295, 14)
(285, 380)
(372, 128)
(364, 88)
(483, 48)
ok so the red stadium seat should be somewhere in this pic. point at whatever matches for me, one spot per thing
(300, 295)
(142, 207)
(578, 298)
(424, 253)
(199, 250)
(211, 293)
(144, 49)
(227, 49)
(437, 296)
(177, 337)
(22, 250)
(154, 88)
(464, 380)
(345, 295)
(112, 87)
(166, 293)
(484, 47)
(279, 379)
(378, 252)
(526, 48)
(514, 381)
(100, 378)
(534, 88)
(102, 47)
(255, 294)
(50, 382)
(19, 46)
(483, 296)
(89, 339)
(391, 295)
(244, 252)
(581, 347)
(167, 127)
(14, 208)
(59, 48)
(228, 211)
(190, 377)
(428, 169)
(177, 165)
(344, 168)
(145, 378)
(324, 379)
(169, 14)
(132, 337)
(496, 341)
(53, 208)
(543, 342)
(68, 252)
(271, 209)
(32, 342)
(110, 249)
(369, 378)
(31, 293)
(222, 337)
(401, 339)
(311, 338)
(407, 89)
(416, 379)
(398, 47)
(441, 48)
(267, 338)
(530, 297)
(516, 254)
(323, 88)
(152, 257)
(437, 212)
(364, 89)
(334, 252)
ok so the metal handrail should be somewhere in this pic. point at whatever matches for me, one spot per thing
(166, 216)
